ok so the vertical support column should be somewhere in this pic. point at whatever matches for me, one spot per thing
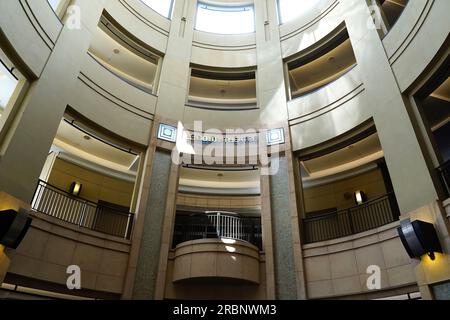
(153, 222)
(409, 173)
(175, 75)
(152, 234)
(267, 233)
(167, 234)
(271, 87)
(40, 114)
(279, 200)
(48, 166)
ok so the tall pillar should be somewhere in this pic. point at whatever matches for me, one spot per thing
(271, 90)
(409, 172)
(175, 75)
(278, 192)
(44, 105)
(152, 232)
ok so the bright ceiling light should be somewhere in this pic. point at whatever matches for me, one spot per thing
(163, 7)
(225, 20)
(290, 9)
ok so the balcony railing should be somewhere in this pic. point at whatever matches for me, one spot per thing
(371, 215)
(57, 203)
(217, 225)
(444, 176)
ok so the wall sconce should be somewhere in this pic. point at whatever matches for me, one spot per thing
(75, 188)
(360, 197)
(419, 238)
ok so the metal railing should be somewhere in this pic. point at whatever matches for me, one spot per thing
(371, 215)
(444, 176)
(217, 225)
(57, 203)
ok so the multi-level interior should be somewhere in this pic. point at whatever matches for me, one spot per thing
(348, 101)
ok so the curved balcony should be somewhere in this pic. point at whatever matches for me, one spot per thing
(59, 204)
(216, 258)
(370, 215)
(217, 225)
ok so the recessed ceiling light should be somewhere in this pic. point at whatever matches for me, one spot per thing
(116, 51)
(331, 59)
(220, 175)
(86, 137)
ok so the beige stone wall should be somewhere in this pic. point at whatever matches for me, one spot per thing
(238, 275)
(332, 195)
(51, 245)
(339, 267)
(95, 185)
(216, 291)
(214, 258)
(218, 202)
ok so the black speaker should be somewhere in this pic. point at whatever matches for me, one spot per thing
(13, 227)
(419, 238)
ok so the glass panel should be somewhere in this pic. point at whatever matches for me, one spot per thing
(225, 20)
(163, 7)
(54, 4)
(290, 9)
(8, 84)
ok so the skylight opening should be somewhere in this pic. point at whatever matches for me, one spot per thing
(8, 84)
(225, 19)
(288, 10)
(163, 7)
(54, 4)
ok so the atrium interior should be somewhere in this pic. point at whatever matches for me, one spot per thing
(225, 150)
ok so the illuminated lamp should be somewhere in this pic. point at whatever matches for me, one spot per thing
(360, 197)
(419, 238)
(75, 188)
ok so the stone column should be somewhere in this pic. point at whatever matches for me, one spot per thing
(279, 200)
(175, 75)
(152, 233)
(409, 172)
(44, 105)
(271, 90)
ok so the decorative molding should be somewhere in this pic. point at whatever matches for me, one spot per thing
(329, 107)
(139, 16)
(404, 44)
(46, 38)
(114, 99)
(310, 23)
